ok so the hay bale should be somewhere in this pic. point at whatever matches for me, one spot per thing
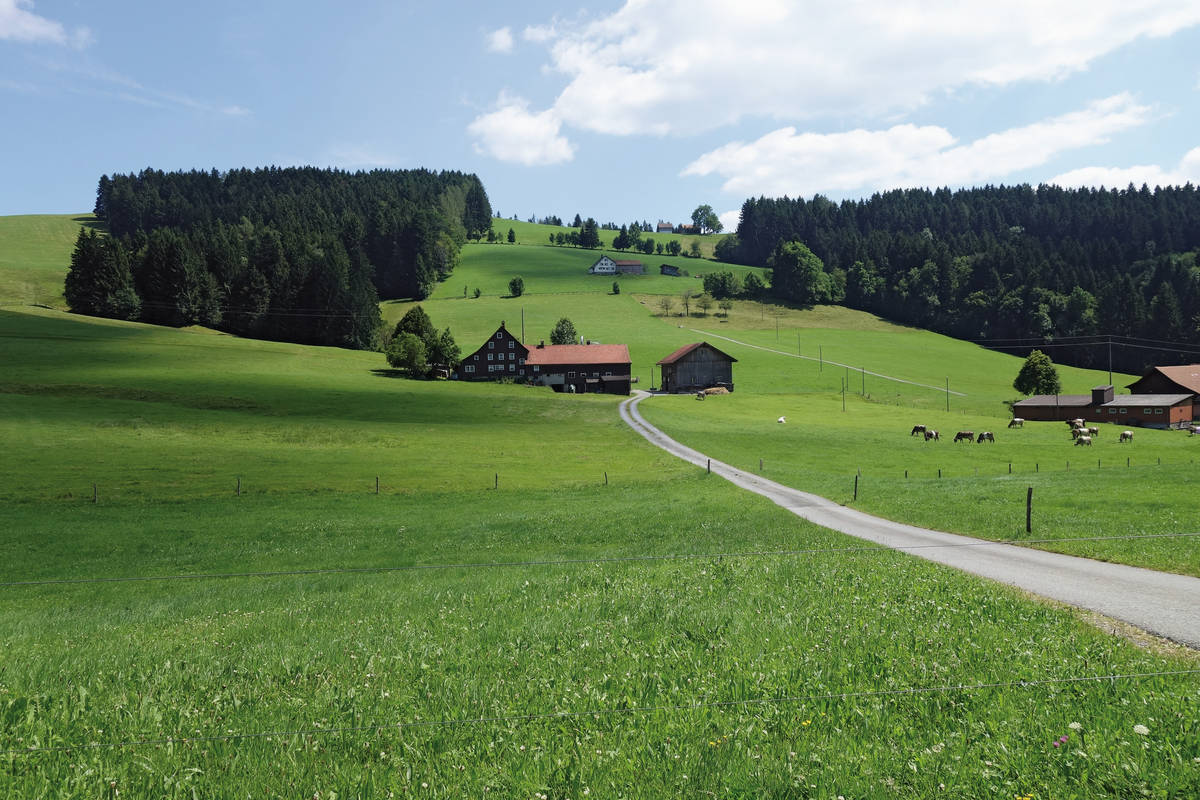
(716, 390)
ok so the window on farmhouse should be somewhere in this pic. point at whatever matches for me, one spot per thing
(1147, 411)
(1122, 411)
(1112, 411)
(491, 345)
(469, 368)
(489, 356)
(570, 374)
(1158, 411)
(510, 344)
(512, 367)
(499, 335)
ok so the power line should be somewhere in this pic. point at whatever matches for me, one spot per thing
(572, 561)
(598, 712)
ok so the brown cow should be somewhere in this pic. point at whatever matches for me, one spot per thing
(1016, 422)
(986, 436)
(1126, 436)
(968, 435)
(917, 429)
(930, 433)
(1084, 439)
(1093, 431)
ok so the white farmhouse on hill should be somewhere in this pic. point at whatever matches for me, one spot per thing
(603, 266)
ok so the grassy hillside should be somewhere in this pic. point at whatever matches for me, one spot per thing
(533, 233)
(549, 270)
(35, 253)
(373, 659)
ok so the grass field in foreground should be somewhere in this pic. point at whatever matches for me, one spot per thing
(35, 253)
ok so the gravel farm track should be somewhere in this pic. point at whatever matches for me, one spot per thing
(1163, 604)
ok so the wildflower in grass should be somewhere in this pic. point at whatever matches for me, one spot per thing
(1075, 726)
(806, 723)
(1141, 730)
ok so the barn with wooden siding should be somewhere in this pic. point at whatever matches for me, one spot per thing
(697, 366)
(1176, 379)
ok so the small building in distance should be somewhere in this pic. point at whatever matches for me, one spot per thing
(630, 267)
(603, 266)
(697, 366)
(1172, 410)
(669, 269)
(664, 227)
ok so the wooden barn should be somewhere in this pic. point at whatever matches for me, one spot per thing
(576, 368)
(1177, 379)
(697, 366)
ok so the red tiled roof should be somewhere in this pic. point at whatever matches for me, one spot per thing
(683, 351)
(553, 354)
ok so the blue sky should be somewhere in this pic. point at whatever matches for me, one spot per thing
(621, 111)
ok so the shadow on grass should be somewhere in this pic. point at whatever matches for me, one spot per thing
(393, 373)
(92, 223)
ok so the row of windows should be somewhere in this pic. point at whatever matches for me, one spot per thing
(511, 344)
(511, 357)
(1144, 411)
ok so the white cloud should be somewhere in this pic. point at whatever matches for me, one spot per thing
(789, 162)
(22, 25)
(730, 220)
(500, 41)
(1187, 171)
(677, 66)
(515, 134)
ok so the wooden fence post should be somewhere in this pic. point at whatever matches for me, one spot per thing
(856, 487)
(95, 494)
(1029, 510)
(376, 484)
(239, 486)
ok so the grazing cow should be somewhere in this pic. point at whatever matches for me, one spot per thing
(1083, 439)
(1126, 436)
(968, 435)
(1193, 430)
(1077, 432)
(986, 436)
(1075, 423)
(930, 433)
(781, 420)
(1016, 422)
(917, 429)
(1092, 431)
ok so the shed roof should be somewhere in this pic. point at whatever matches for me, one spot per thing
(1186, 375)
(1060, 400)
(553, 354)
(1147, 400)
(683, 351)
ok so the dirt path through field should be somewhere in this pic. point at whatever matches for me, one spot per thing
(1161, 603)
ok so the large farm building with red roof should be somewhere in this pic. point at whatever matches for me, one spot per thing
(575, 368)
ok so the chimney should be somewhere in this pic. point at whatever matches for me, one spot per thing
(1102, 395)
(541, 344)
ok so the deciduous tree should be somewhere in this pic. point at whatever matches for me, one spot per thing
(1038, 375)
(564, 332)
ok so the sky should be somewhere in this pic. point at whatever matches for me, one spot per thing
(640, 110)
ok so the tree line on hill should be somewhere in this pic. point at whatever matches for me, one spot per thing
(296, 254)
(995, 263)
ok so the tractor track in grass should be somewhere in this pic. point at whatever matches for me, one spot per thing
(827, 361)
(1161, 603)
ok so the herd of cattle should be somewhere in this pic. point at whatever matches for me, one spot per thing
(1081, 432)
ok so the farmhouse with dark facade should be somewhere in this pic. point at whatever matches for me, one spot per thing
(1168, 410)
(564, 367)
(1178, 379)
(697, 366)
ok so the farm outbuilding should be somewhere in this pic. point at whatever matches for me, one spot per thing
(1103, 405)
(1177, 379)
(697, 366)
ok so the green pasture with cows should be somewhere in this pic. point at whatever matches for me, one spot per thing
(204, 593)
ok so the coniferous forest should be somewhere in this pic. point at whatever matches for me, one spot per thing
(294, 254)
(1072, 267)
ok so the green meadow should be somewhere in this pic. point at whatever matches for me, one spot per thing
(35, 251)
(537, 234)
(205, 595)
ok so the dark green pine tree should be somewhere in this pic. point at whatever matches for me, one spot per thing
(100, 281)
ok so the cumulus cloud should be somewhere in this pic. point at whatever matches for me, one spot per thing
(676, 66)
(19, 24)
(790, 162)
(1186, 171)
(500, 41)
(515, 134)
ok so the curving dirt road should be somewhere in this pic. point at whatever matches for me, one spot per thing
(1161, 603)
